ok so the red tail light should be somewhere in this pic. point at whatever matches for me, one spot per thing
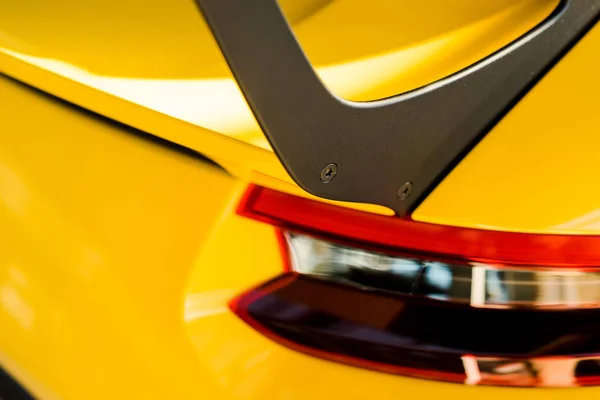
(446, 303)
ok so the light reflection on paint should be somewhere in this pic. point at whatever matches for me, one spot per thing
(589, 221)
(218, 104)
(12, 300)
(13, 192)
(204, 304)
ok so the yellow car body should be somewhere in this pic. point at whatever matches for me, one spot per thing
(120, 246)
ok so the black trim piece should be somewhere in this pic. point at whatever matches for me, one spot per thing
(306, 306)
(424, 338)
(378, 146)
(186, 151)
(10, 389)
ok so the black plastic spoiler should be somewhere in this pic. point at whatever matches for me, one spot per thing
(390, 152)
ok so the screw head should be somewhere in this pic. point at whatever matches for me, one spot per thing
(405, 190)
(329, 172)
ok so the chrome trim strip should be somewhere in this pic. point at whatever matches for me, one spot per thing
(565, 371)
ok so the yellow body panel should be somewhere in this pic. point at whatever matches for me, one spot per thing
(118, 256)
(537, 171)
(154, 65)
(119, 253)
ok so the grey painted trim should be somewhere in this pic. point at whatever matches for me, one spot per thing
(378, 146)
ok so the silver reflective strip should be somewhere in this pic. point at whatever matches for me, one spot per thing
(564, 371)
(480, 285)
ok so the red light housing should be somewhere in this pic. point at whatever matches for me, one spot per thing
(430, 301)
(477, 245)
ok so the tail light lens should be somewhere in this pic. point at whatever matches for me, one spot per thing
(452, 304)
(477, 284)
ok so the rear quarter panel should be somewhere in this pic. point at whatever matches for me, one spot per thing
(118, 256)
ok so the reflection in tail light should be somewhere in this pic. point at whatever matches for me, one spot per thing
(429, 301)
(478, 284)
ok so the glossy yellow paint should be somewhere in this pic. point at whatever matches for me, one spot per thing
(118, 256)
(537, 170)
(390, 46)
(153, 64)
(99, 231)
